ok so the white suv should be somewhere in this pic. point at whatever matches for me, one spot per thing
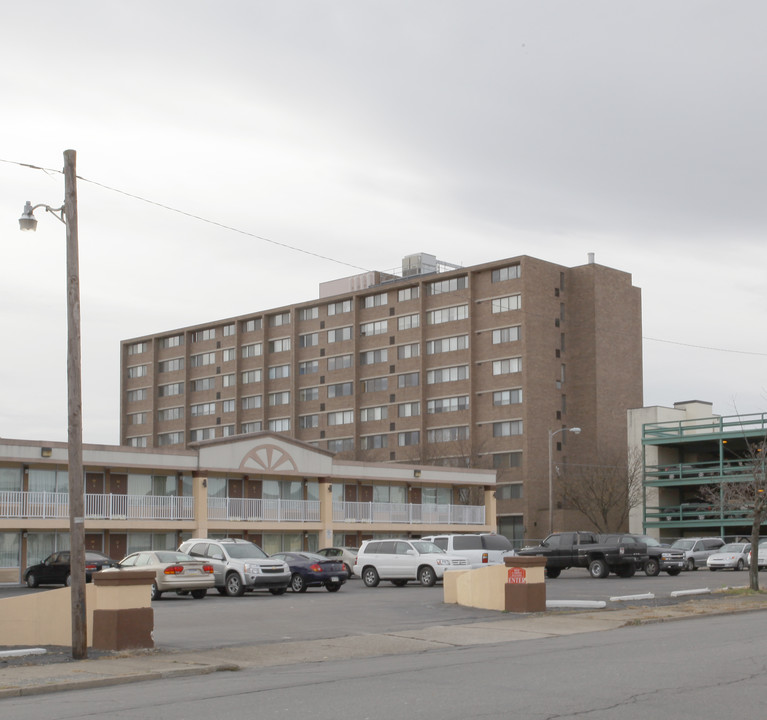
(404, 560)
(239, 565)
(479, 549)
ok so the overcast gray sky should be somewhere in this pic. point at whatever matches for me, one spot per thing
(366, 131)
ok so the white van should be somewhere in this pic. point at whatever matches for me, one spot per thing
(479, 549)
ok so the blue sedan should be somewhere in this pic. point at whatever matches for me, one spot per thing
(311, 570)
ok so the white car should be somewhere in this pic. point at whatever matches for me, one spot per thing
(403, 560)
(761, 555)
(480, 549)
(732, 555)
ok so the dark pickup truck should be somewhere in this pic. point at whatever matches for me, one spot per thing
(620, 554)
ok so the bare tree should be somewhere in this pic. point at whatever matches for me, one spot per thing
(606, 492)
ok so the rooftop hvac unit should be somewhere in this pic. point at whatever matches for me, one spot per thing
(419, 264)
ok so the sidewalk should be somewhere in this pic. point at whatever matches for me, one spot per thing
(35, 675)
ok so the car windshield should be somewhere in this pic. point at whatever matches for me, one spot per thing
(733, 548)
(649, 541)
(684, 544)
(424, 546)
(245, 550)
(170, 556)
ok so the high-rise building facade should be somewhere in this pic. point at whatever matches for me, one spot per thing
(472, 366)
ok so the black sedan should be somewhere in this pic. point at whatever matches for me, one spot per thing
(311, 570)
(54, 570)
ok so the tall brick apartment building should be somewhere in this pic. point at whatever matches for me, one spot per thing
(464, 366)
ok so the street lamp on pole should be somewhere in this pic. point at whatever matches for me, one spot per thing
(67, 214)
(552, 434)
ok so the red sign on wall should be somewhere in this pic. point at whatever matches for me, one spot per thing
(517, 576)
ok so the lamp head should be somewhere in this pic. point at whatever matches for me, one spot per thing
(577, 431)
(27, 220)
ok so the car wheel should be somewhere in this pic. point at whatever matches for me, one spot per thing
(234, 586)
(370, 577)
(278, 591)
(598, 568)
(652, 568)
(713, 569)
(553, 572)
(221, 589)
(674, 571)
(156, 594)
(332, 587)
(297, 583)
(691, 564)
(427, 576)
(32, 580)
(199, 594)
(399, 583)
(740, 564)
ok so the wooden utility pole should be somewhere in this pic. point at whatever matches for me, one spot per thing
(75, 424)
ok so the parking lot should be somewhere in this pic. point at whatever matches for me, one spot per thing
(217, 621)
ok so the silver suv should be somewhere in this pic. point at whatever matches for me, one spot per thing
(479, 549)
(239, 565)
(697, 550)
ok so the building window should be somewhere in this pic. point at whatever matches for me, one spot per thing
(278, 372)
(172, 341)
(410, 409)
(504, 304)
(251, 376)
(279, 345)
(251, 427)
(374, 413)
(510, 272)
(252, 350)
(507, 460)
(202, 359)
(228, 380)
(407, 322)
(137, 371)
(279, 320)
(251, 325)
(171, 389)
(170, 438)
(373, 442)
(203, 335)
(406, 294)
(175, 413)
(412, 437)
(444, 286)
(342, 417)
(340, 334)
(137, 395)
(202, 434)
(279, 398)
(305, 422)
(228, 355)
(378, 384)
(340, 389)
(507, 397)
(308, 367)
(280, 425)
(251, 402)
(310, 313)
(137, 348)
(450, 374)
(411, 350)
(371, 357)
(171, 365)
(308, 340)
(203, 384)
(448, 434)
(451, 404)
(506, 367)
(339, 362)
(375, 300)
(448, 314)
(137, 418)
(139, 442)
(449, 344)
(229, 329)
(374, 328)
(407, 380)
(505, 429)
(202, 409)
(227, 430)
(308, 394)
(338, 308)
(504, 335)
(341, 445)
(227, 406)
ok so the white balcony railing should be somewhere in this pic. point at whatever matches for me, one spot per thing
(422, 514)
(263, 509)
(18, 504)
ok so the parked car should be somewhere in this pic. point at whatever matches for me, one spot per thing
(347, 555)
(732, 555)
(174, 572)
(661, 557)
(761, 555)
(478, 548)
(55, 569)
(312, 570)
(697, 550)
(403, 560)
(239, 565)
